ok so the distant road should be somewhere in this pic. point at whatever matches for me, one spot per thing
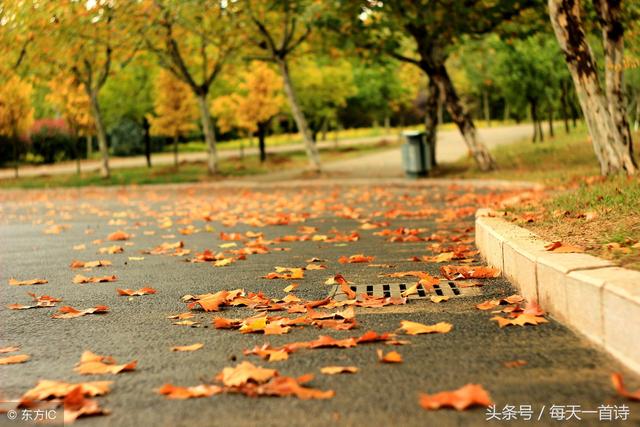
(450, 148)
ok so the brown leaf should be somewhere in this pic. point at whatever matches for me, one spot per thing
(139, 292)
(77, 405)
(47, 388)
(333, 370)
(14, 282)
(460, 399)
(79, 278)
(519, 320)
(175, 392)
(9, 349)
(560, 247)
(618, 384)
(415, 328)
(192, 347)
(118, 235)
(243, 373)
(355, 259)
(68, 312)
(457, 272)
(390, 357)
(344, 286)
(93, 364)
(17, 358)
(438, 299)
(291, 287)
(90, 264)
(515, 363)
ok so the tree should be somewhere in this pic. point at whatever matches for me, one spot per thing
(258, 100)
(71, 100)
(423, 33)
(280, 28)
(323, 86)
(174, 108)
(194, 39)
(604, 110)
(16, 112)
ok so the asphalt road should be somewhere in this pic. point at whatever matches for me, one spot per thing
(561, 369)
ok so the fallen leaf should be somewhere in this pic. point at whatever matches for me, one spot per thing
(332, 370)
(245, 372)
(438, 299)
(68, 312)
(93, 364)
(618, 384)
(519, 320)
(344, 286)
(460, 399)
(76, 405)
(355, 259)
(415, 328)
(17, 358)
(457, 272)
(139, 292)
(9, 349)
(411, 290)
(14, 282)
(46, 389)
(115, 249)
(203, 390)
(560, 247)
(390, 357)
(90, 264)
(79, 278)
(192, 347)
(291, 287)
(515, 363)
(118, 235)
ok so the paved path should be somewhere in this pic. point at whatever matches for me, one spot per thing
(450, 148)
(561, 368)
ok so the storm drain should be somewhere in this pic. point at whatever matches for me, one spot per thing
(448, 288)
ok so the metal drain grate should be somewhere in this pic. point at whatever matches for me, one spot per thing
(447, 288)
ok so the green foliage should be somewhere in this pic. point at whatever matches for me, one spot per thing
(127, 138)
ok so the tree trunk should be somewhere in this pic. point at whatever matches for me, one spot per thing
(298, 116)
(507, 113)
(534, 117)
(609, 12)
(89, 146)
(462, 119)
(324, 128)
(440, 103)
(262, 130)
(101, 132)
(563, 106)
(15, 157)
(76, 152)
(485, 104)
(431, 118)
(540, 132)
(147, 141)
(611, 147)
(175, 151)
(550, 121)
(209, 133)
(387, 123)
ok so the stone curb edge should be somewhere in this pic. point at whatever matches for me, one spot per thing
(588, 294)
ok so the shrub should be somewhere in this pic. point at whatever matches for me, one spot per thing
(51, 140)
(127, 138)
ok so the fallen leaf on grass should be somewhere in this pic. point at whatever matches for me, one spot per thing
(79, 278)
(460, 399)
(68, 312)
(202, 390)
(14, 282)
(94, 364)
(390, 357)
(46, 389)
(355, 259)
(192, 347)
(618, 384)
(118, 235)
(333, 370)
(457, 272)
(519, 320)
(415, 328)
(17, 358)
(139, 292)
(560, 247)
(515, 363)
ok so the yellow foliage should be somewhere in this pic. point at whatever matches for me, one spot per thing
(71, 99)
(174, 106)
(260, 99)
(16, 111)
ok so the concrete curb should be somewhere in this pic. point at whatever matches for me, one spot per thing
(589, 294)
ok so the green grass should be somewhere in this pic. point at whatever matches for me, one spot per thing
(193, 171)
(580, 207)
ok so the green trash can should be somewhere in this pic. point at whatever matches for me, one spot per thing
(416, 155)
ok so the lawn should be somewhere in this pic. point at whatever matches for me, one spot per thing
(579, 207)
(195, 171)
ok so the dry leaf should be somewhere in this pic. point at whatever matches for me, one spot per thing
(79, 278)
(390, 357)
(14, 282)
(560, 247)
(457, 272)
(68, 312)
(333, 370)
(515, 363)
(192, 347)
(415, 328)
(245, 372)
(291, 287)
(460, 399)
(175, 392)
(93, 364)
(355, 259)
(9, 349)
(118, 235)
(17, 358)
(618, 384)
(139, 292)
(519, 320)
(46, 389)
(438, 299)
